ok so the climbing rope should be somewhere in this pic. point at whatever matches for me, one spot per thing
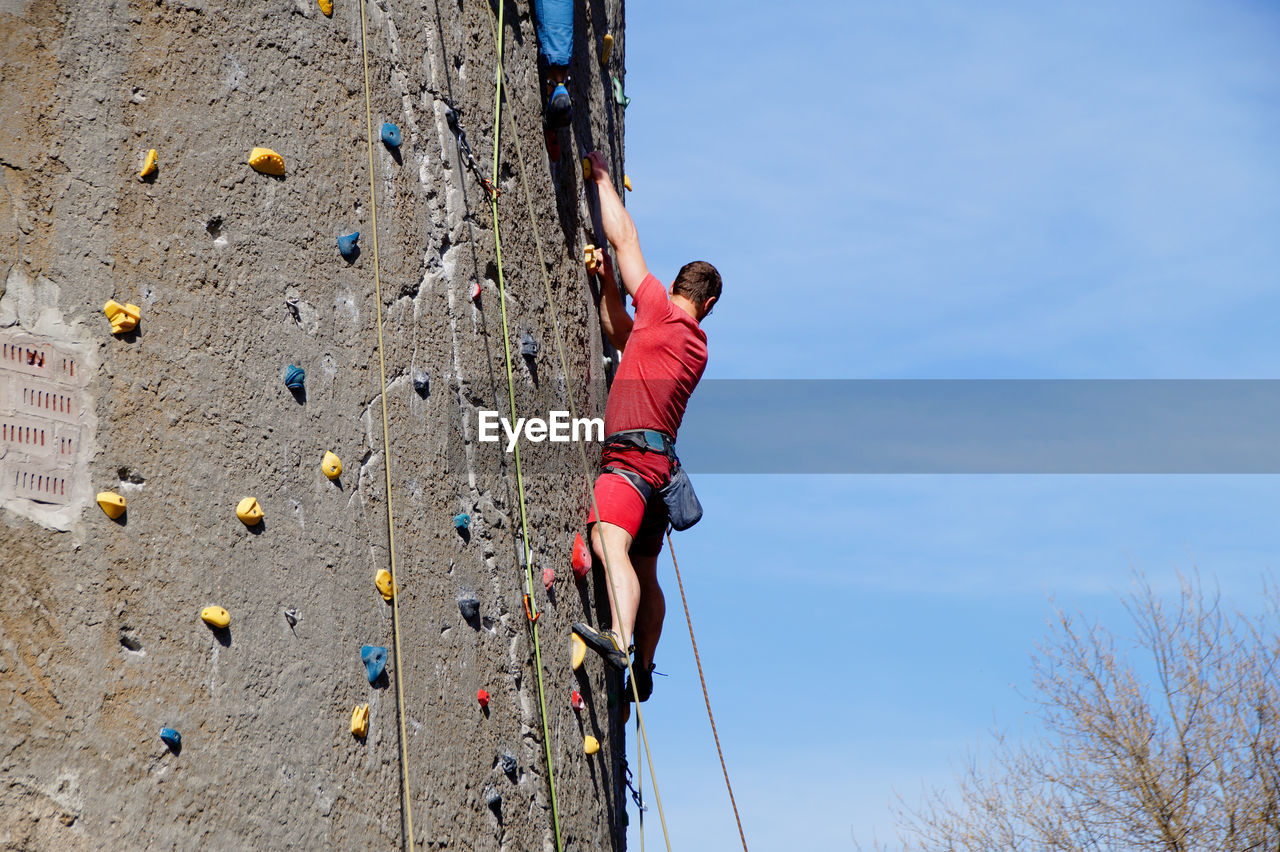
(705, 695)
(406, 800)
(555, 322)
(530, 606)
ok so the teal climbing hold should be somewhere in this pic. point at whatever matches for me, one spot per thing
(295, 378)
(347, 245)
(618, 95)
(171, 738)
(375, 660)
(462, 522)
(391, 135)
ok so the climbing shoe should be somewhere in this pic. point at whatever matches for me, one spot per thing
(559, 107)
(605, 643)
(644, 683)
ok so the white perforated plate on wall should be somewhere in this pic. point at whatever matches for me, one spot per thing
(46, 420)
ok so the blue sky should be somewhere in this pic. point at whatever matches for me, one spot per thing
(939, 190)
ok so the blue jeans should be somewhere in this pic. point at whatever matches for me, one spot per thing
(555, 30)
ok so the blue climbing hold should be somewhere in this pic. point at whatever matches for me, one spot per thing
(391, 135)
(375, 660)
(422, 383)
(347, 245)
(295, 378)
(528, 346)
(493, 799)
(469, 607)
(509, 764)
(462, 522)
(171, 738)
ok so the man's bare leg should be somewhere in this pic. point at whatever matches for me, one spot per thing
(652, 610)
(611, 544)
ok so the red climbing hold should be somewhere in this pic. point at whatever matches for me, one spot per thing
(548, 577)
(482, 697)
(475, 291)
(576, 701)
(581, 557)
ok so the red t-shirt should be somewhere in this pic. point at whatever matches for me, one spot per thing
(664, 359)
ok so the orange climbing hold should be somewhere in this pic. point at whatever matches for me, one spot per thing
(581, 557)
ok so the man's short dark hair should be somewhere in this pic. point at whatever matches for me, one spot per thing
(697, 282)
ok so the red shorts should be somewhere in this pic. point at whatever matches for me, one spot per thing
(622, 505)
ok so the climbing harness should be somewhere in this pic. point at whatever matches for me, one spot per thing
(555, 324)
(406, 798)
(697, 658)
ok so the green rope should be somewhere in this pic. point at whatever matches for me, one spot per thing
(531, 605)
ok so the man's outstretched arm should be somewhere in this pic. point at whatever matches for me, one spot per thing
(619, 230)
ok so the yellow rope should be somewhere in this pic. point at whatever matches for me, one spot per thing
(406, 802)
(586, 465)
(531, 607)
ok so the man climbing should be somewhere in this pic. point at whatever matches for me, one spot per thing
(665, 355)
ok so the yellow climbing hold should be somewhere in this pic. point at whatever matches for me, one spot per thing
(326, 6)
(111, 503)
(149, 164)
(360, 721)
(215, 616)
(249, 511)
(123, 317)
(266, 161)
(579, 651)
(383, 581)
(590, 744)
(626, 181)
(593, 258)
(607, 50)
(332, 465)
(586, 168)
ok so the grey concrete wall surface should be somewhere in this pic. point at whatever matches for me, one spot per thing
(237, 275)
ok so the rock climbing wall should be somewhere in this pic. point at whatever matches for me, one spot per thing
(237, 275)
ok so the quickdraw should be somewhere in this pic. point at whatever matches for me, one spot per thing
(464, 150)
